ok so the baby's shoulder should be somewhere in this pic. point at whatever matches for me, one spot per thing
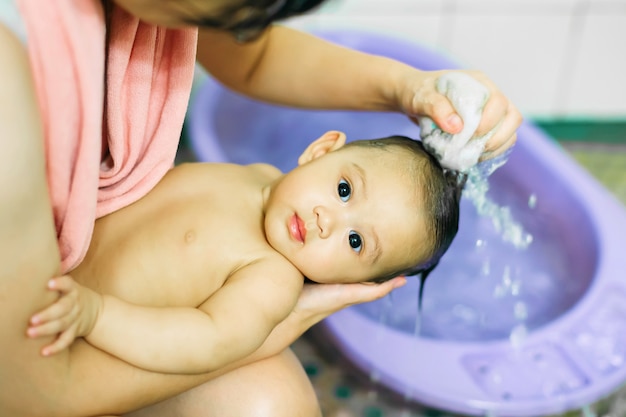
(264, 169)
(191, 172)
(272, 266)
(271, 260)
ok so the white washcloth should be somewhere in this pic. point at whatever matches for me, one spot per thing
(460, 151)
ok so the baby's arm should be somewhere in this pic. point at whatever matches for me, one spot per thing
(233, 322)
(230, 324)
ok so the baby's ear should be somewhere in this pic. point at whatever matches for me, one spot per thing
(328, 142)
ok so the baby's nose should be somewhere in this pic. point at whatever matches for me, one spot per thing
(324, 221)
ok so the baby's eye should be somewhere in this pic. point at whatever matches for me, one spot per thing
(344, 190)
(355, 241)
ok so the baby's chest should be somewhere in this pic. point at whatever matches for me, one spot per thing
(194, 259)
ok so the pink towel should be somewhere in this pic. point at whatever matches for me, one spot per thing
(95, 168)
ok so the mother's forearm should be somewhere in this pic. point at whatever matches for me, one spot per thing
(297, 69)
(99, 384)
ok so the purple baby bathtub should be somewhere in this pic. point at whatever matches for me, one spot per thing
(502, 332)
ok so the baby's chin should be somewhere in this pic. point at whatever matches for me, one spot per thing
(330, 274)
(319, 278)
(333, 279)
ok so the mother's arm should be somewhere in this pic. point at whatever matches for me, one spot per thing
(297, 69)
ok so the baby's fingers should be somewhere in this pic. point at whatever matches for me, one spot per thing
(64, 340)
(63, 307)
(52, 327)
(63, 284)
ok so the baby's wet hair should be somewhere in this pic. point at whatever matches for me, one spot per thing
(441, 189)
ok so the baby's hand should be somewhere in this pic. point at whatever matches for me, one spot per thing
(72, 315)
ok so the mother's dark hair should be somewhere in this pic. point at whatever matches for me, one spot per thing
(244, 16)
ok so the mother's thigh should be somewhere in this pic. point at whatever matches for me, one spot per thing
(273, 387)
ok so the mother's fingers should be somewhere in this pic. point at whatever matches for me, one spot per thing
(369, 292)
(493, 114)
(328, 298)
(441, 111)
(500, 150)
(507, 120)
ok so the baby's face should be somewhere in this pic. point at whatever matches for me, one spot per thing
(348, 216)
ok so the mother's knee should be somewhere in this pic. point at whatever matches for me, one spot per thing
(274, 387)
(281, 387)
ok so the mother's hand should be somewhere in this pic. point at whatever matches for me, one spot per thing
(318, 301)
(418, 96)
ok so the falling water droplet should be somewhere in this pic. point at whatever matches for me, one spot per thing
(532, 201)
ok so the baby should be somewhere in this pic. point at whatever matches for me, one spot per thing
(219, 251)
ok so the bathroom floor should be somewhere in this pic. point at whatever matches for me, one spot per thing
(347, 392)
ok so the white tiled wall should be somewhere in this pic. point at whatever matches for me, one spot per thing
(553, 58)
